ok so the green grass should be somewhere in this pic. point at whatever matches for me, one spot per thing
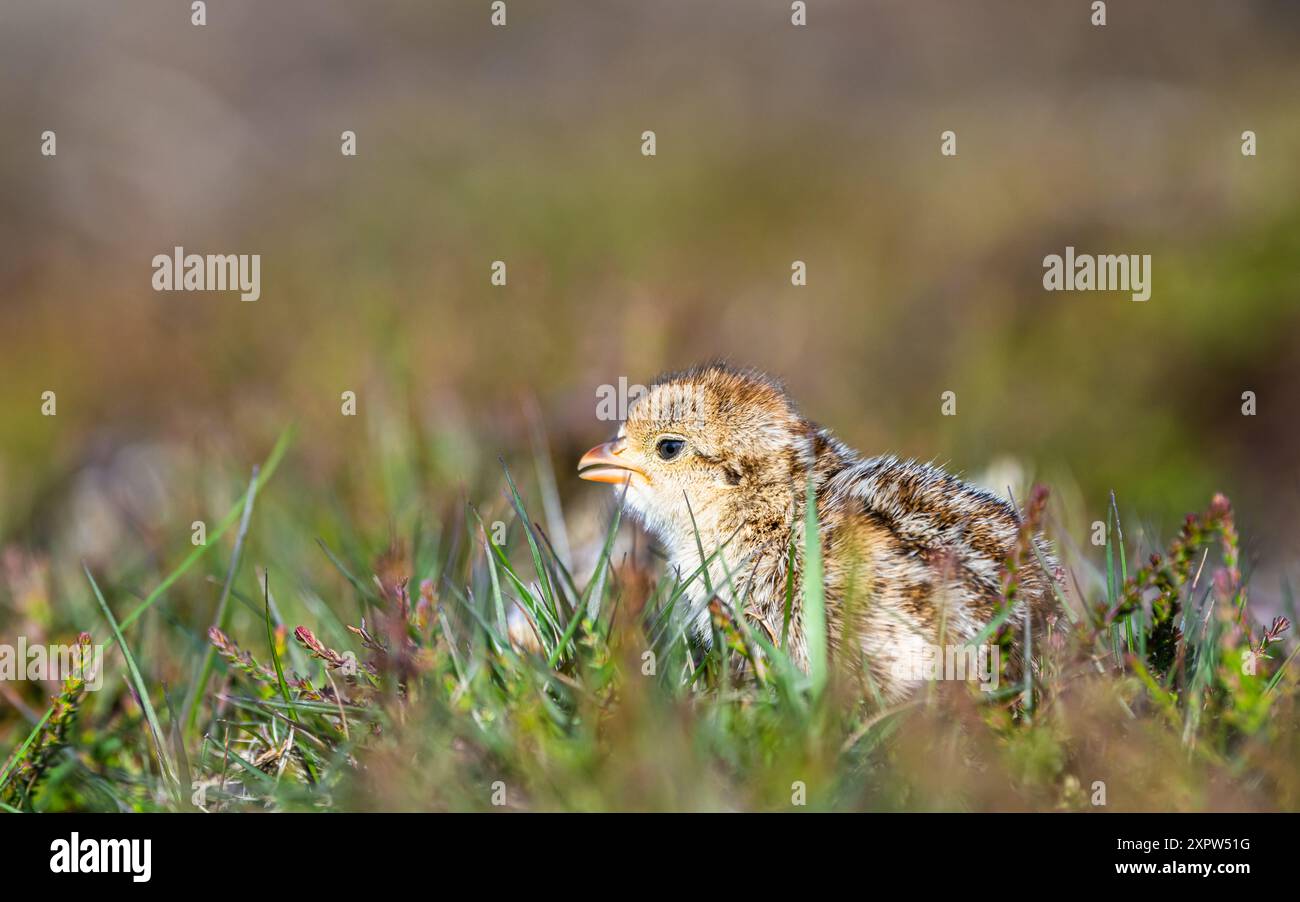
(428, 695)
(166, 770)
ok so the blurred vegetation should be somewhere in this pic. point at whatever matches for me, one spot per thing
(451, 672)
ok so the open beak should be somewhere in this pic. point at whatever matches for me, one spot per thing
(602, 464)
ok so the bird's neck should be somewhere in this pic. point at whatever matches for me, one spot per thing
(746, 544)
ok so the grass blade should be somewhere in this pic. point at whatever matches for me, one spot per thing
(543, 575)
(141, 690)
(17, 757)
(191, 709)
(268, 467)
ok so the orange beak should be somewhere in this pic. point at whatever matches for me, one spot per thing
(602, 464)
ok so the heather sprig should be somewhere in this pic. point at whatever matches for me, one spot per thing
(53, 736)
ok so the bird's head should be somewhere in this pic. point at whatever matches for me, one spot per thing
(711, 449)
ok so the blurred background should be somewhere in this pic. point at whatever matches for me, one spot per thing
(522, 144)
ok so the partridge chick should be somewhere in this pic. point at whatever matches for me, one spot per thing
(719, 459)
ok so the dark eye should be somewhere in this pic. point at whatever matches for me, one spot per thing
(670, 448)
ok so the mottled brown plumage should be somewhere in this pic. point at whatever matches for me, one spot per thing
(719, 458)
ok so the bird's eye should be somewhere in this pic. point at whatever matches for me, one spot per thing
(670, 448)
